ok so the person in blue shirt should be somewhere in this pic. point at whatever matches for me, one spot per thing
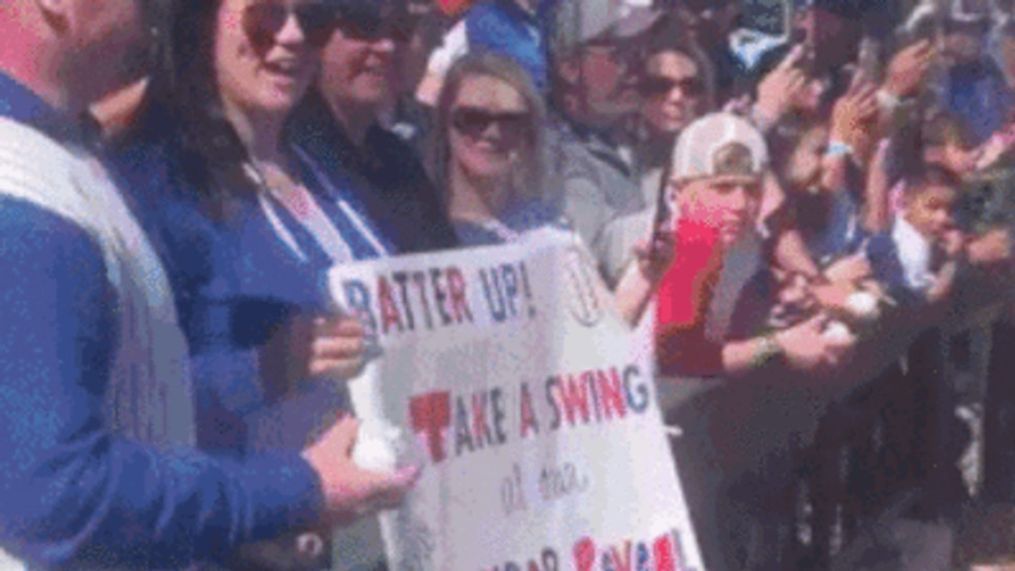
(918, 259)
(516, 29)
(973, 86)
(252, 221)
(99, 468)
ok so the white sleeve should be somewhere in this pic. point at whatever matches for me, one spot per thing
(454, 46)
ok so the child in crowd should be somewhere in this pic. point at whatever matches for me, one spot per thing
(916, 261)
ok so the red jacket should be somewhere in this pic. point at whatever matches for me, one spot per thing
(684, 297)
(454, 7)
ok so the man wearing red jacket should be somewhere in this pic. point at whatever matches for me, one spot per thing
(718, 170)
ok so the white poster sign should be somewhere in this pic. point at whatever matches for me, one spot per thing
(533, 409)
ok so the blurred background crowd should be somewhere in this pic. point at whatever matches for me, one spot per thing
(786, 180)
(782, 192)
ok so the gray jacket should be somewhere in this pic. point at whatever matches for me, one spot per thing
(594, 187)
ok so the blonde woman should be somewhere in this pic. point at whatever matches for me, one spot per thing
(487, 156)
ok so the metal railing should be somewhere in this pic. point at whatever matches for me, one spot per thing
(895, 446)
(883, 447)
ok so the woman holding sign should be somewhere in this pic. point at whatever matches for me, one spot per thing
(249, 224)
(487, 156)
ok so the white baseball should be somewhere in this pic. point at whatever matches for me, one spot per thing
(837, 332)
(863, 306)
(376, 448)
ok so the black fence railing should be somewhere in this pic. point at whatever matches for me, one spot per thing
(887, 446)
(892, 448)
(872, 452)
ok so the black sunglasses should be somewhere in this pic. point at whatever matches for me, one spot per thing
(474, 121)
(263, 20)
(655, 85)
(373, 24)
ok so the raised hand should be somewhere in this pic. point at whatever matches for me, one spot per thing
(854, 118)
(996, 148)
(652, 259)
(908, 69)
(655, 254)
(991, 249)
(778, 91)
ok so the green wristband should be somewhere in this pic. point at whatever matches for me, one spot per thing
(767, 350)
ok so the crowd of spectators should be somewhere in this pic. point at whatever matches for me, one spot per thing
(767, 199)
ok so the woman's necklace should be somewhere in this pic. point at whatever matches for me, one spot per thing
(298, 201)
(294, 197)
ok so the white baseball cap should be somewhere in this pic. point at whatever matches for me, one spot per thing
(969, 11)
(719, 144)
(577, 22)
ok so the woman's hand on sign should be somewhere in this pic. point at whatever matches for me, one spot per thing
(351, 492)
(338, 348)
(306, 347)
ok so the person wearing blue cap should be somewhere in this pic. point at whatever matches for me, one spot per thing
(513, 28)
(973, 87)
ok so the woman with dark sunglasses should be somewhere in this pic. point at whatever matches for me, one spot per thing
(675, 89)
(248, 223)
(340, 124)
(488, 157)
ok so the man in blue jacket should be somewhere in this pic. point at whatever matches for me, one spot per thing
(97, 465)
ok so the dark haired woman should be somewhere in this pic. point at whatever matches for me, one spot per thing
(248, 224)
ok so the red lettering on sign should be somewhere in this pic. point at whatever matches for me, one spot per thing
(430, 415)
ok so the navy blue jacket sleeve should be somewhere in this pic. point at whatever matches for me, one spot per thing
(72, 493)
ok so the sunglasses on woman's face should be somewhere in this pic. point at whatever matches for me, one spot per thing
(474, 121)
(264, 19)
(655, 85)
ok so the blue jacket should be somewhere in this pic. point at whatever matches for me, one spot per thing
(73, 494)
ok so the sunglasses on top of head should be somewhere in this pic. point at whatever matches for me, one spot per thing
(474, 121)
(376, 24)
(264, 19)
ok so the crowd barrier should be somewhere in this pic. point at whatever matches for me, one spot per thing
(796, 474)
